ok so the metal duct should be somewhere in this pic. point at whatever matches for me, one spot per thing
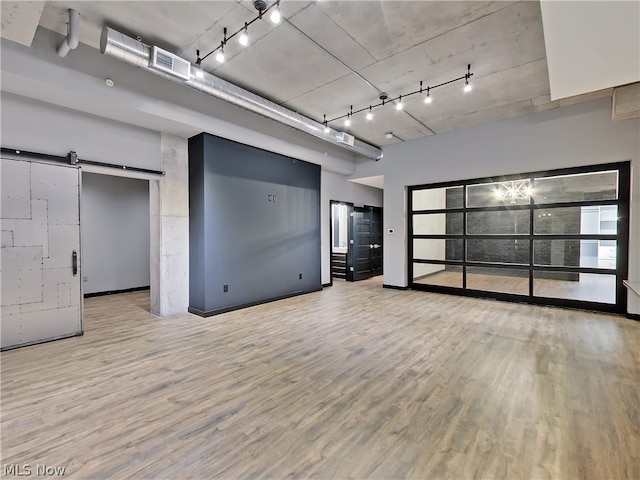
(136, 53)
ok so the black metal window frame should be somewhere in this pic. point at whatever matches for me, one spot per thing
(621, 237)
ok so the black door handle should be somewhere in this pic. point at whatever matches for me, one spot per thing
(74, 263)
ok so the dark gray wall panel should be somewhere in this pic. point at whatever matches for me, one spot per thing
(259, 248)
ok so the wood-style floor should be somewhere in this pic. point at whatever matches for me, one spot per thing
(355, 381)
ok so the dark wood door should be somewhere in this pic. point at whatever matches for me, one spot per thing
(376, 241)
(365, 245)
(359, 244)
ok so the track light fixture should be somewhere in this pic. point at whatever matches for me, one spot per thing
(467, 85)
(275, 14)
(220, 54)
(243, 32)
(384, 98)
(428, 98)
(369, 114)
(347, 122)
(244, 36)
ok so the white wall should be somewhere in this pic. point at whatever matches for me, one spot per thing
(115, 233)
(41, 127)
(572, 136)
(334, 186)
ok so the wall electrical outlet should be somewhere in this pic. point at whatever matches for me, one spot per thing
(300, 276)
(225, 288)
(85, 278)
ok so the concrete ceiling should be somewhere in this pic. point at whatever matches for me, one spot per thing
(328, 55)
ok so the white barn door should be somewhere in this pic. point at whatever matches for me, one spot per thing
(41, 288)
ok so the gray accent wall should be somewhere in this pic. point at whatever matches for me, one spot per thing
(254, 225)
(115, 233)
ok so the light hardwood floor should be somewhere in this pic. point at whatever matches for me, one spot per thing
(355, 381)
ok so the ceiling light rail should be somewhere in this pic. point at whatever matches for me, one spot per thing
(243, 31)
(399, 105)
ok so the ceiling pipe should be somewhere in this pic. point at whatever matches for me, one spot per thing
(136, 53)
(72, 39)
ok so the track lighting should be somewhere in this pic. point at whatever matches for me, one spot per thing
(428, 98)
(467, 85)
(244, 36)
(384, 99)
(243, 32)
(220, 54)
(275, 14)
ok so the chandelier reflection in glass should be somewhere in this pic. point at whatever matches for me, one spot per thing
(514, 190)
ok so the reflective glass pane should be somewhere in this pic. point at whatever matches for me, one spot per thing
(576, 188)
(438, 249)
(437, 223)
(558, 253)
(512, 192)
(498, 251)
(575, 253)
(506, 222)
(498, 280)
(575, 286)
(437, 198)
(591, 220)
(443, 275)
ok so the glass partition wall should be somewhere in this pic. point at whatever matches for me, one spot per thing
(557, 237)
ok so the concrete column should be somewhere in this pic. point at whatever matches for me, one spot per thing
(169, 207)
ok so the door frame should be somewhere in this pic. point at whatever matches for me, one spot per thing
(349, 262)
(350, 206)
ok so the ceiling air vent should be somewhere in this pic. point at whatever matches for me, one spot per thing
(170, 63)
(345, 138)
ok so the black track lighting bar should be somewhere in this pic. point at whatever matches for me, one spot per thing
(239, 31)
(352, 112)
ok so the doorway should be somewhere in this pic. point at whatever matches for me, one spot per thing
(115, 234)
(356, 241)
